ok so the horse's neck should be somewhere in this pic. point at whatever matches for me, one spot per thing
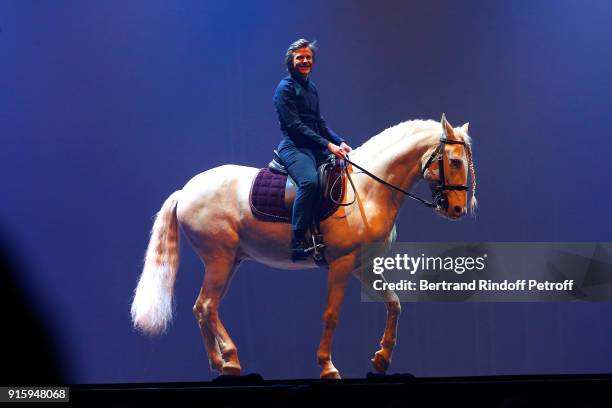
(398, 162)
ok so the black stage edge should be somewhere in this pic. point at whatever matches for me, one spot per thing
(377, 391)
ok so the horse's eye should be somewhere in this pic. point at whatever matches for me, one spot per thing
(456, 163)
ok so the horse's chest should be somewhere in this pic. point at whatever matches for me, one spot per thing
(373, 225)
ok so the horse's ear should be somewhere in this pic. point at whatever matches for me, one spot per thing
(465, 127)
(447, 128)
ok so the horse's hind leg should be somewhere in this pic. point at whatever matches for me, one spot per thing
(210, 341)
(382, 358)
(221, 350)
(211, 345)
(337, 277)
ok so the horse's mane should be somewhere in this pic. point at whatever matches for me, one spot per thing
(393, 134)
(388, 136)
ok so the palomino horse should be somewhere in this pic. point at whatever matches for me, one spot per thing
(213, 212)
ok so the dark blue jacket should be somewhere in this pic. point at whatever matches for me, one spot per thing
(297, 104)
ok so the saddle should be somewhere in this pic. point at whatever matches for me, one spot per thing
(273, 193)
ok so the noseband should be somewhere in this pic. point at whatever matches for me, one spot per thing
(439, 193)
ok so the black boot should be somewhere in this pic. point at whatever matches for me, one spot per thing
(299, 251)
(299, 247)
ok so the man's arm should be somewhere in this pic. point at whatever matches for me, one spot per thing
(338, 145)
(284, 99)
(329, 134)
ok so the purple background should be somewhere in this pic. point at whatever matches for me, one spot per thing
(106, 107)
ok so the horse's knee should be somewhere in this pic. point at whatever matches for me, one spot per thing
(394, 308)
(330, 320)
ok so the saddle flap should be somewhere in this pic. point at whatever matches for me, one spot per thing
(325, 171)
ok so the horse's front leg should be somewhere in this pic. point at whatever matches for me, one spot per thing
(339, 271)
(382, 358)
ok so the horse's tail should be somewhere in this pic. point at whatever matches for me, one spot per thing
(152, 305)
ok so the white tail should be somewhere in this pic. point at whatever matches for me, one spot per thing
(152, 305)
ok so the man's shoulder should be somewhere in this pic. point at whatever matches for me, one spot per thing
(286, 81)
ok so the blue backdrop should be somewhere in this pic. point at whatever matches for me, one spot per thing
(108, 106)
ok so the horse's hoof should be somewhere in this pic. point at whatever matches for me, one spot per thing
(231, 368)
(380, 363)
(331, 375)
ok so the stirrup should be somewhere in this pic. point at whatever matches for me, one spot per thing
(317, 247)
(301, 254)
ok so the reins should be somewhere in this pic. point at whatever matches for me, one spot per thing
(375, 177)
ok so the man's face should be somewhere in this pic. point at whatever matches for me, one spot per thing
(302, 61)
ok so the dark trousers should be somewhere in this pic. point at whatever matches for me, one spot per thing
(301, 163)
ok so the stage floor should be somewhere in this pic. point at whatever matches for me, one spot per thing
(377, 391)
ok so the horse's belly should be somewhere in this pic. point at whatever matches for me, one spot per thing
(268, 243)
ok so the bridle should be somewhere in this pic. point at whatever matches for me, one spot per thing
(440, 199)
(439, 193)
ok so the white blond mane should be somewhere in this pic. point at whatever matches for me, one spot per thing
(392, 135)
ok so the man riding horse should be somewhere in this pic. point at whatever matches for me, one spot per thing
(307, 140)
(215, 211)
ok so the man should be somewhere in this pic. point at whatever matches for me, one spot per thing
(306, 138)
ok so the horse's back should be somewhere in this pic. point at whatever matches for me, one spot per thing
(218, 196)
(220, 177)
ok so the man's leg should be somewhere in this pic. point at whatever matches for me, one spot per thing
(301, 166)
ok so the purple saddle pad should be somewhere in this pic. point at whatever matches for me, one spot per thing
(267, 196)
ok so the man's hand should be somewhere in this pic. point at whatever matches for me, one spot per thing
(347, 149)
(336, 151)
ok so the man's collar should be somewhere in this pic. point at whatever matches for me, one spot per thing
(300, 78)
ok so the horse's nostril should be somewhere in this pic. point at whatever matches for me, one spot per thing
(458, 209)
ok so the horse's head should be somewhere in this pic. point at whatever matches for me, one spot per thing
(453, 154)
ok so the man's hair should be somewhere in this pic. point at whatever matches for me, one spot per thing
(301, 43)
